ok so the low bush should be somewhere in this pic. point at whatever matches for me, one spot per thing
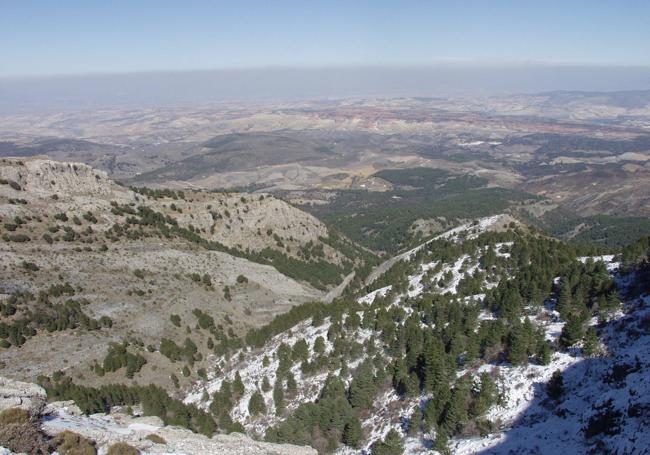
(24, 438)
(14, 416)
(70, 443)
(153, 437)
(122, 448)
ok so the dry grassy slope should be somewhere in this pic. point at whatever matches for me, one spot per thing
(233, 219)
(138, 306)
(249, 221)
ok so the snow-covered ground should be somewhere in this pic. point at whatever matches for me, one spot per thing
(612, 390)
(529, 422)
(252, 372)
(608, 259)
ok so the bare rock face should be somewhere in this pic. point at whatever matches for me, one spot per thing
(138, 432)
(49, 177)
(24, 395)
(56, 407)
(38, 179)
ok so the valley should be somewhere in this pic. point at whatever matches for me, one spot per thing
(378, 276)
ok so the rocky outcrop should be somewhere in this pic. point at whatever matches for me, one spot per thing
(64, 185)
(106, 430)
(24, 395)
(49, 177)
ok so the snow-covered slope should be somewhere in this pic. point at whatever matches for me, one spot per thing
(604, 408)
(255, 365)
(525, 420)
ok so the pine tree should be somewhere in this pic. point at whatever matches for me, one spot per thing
(256, 404)
(292, 386)
(432, 411)
(591, 342)
(517, 345)
(472, 349)
(300, 351)
(572, 331)
(222, 401)
(415, 421)
(536, 297)
(391, 445)
(441, 443)
(613, 302)
(238, 388)
(362, 388)
(486, 396)
(435, 367)
(455, 415)
(563, 305)
(353, 433)
(555, 387)
(278, 397)
(544, 353)
(266, 386)
(319, 345)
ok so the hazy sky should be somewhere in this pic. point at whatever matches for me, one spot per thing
(39, 38)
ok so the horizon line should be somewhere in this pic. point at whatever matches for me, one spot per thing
(446, 64)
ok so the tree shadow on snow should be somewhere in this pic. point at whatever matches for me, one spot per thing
(605, 404)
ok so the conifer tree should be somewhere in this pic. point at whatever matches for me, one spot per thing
(278, 397)
(256, 404)
(319, 345)
(591, 341)
(266, 386)
(544, 353)
(455, 415)
(518, 345)
(238, 388)
(353, 433)
(555, 387)
(300, 351)
(563, 305)
(435, 368)
(415, 421)
(292, 386)
(572, 331)
(391, 445)
(432, 411)
(362, 388)
(486, 396)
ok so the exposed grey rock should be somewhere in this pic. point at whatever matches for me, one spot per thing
(56, 407)
(24, 395)
(106, 430)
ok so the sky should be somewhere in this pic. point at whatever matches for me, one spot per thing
(75, 37)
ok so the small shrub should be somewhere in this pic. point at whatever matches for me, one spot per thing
(24, 438)
(16, 238)
(30, 266)
(70, 443)
(153, 437)
(122, 448)
(14, 416)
